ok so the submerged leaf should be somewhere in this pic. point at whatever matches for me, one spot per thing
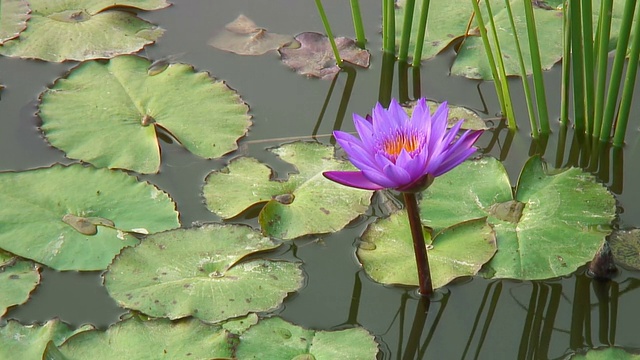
(75, 30)
(276, 339)
(244, 37)
(306, 203)
(625, 246)
(77, 217)
(29, 341)
(151, 339)
(103, 113)
(315, 56)
(13, 19)
(198, 272)
(17, 280)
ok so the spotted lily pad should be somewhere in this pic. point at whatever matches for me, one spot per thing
(461, 250)
(198, 272)
(29, 342)
(13, 19)
(315, 56)
(276, 339)
(17, 280)
(625, 246)
(76, 217)
(135, 338)
(75, 30)
(555, 223)
(242, 36)
(108, 114)
(304, 203)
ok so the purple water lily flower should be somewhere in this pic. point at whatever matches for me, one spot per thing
(402, 153)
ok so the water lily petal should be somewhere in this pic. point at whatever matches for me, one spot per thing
(452, 162)
(365, 130)
(397, 174)
(354, 179)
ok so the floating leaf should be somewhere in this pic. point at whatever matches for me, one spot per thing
(75, 30)
(13, 19)
(242, 36)
(30, 341)
(38, 204)
(239, 325)
(198, 272)
(107, 113)
(17, 281)
(152, 339)
(387, 251)
(563, 220)
(625, 246)
(276, 339)
(306, 203)
(471, 120)
(610, 353)
(6, 258)
(315, 57)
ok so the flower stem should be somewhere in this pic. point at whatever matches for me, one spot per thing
(419, 247)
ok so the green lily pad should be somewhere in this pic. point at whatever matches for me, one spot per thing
(199, 272)
(461, 250)
(17, 281)
(239, 325)
(76, 217)
(556, 222)
(13, 18)
(305, 203)
(606, 354)
(625, 246)
(151, 339)
(75, 29)
(6, 258)
(30, 341)
(276, 339)
(107, 114)
(471, 120)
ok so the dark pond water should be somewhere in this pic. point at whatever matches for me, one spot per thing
(472, 318)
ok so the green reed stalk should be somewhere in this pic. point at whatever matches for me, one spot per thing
(536, 67)
(327, 28)
(388, 26)
(616, 72)
(498, 72)
(566, 68)
(602, 48)
(587, 46)
(358, 26)
(577, 64)
(406, 30)
(422, 29)
(523, 74)
(629, 85)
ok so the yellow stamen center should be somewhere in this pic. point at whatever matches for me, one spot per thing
(394, 146)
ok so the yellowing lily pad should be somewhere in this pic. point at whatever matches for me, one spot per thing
(13, 18)
(305, 203)
(199, 272)
(75, 30)
(242, 36)
(76, 217)
(107, 114)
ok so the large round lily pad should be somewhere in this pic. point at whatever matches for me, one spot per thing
(75, 30)
(199, 272)
(17, 280)
(461, 250)
(29, 342)
(135, 338)
(276, 339)
(76, 217)
(13, 18)
(556, 222)
(107, 113)
(305, 203)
